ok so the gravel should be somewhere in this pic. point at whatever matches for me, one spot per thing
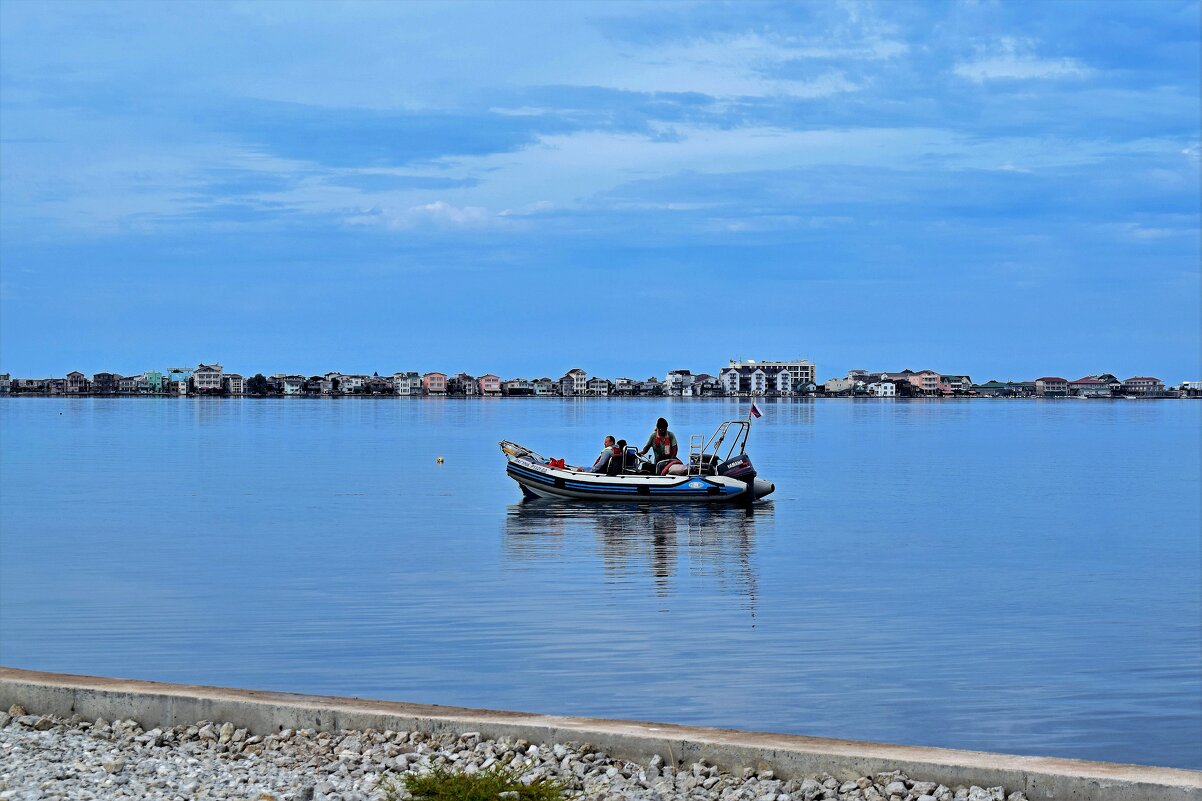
(43, 757)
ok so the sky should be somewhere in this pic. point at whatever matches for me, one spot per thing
(1005, 190)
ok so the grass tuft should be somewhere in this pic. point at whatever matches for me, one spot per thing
(497, 784)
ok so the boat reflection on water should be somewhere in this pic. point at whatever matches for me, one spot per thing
(667, 544)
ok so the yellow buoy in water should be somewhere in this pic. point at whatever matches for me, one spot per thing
(440, 460)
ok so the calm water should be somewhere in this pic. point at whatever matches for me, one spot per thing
(1018, 576)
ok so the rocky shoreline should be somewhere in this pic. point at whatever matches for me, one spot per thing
(44, 758)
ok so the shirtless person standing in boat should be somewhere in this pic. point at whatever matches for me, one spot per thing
(662, 443)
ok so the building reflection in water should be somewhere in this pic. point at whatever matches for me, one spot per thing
(715, 545)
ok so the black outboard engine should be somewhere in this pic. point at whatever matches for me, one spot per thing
(740, 467)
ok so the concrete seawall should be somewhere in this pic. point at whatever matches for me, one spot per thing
(164, 705)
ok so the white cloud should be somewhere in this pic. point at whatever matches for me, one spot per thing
(438, 214)
(529, 210)
(1015, 59)
(1146, 232)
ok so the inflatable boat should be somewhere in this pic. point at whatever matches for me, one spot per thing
(712, 474)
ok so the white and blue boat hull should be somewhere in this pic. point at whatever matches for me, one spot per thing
(539, 480)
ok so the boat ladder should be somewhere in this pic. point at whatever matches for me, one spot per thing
(696, 452)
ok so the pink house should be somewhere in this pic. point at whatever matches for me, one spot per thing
(434, 384)
(929, 383)
(490, 385)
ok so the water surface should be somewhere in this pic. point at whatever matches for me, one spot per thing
(1017, 576)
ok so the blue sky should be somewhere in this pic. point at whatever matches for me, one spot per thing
(1004, 189)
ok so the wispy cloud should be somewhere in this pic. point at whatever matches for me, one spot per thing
(437, 214)
(1015, 59)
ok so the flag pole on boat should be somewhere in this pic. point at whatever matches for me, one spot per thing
(754, 411)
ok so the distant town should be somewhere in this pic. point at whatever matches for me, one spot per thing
(740, 378)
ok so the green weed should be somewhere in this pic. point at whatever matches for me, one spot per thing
(443, 784)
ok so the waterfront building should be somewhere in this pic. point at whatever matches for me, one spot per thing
(677, 381)
(801, 371)
(1051, 387)
(1112, 381)
(56, 386)
(1143, 386)
(463, 384)
(842, 386)
(128, 385)
(745, 380)
(1089, 387)
(407, 383)
(292, 385)
(705, 384)
(233, 384)
(347, 384)
(434, 384)
(991, 389)
(76, 383)
(882, 389)
(957, 383)
(652, 386)
(178, 380)
(574, 382)
(624, 386)
(1191, 389)
(6, 382)
(377, 384)
(156, 382)
(490, 385)
(598, 387)
(543, 386)
(930, 383)
(27, 385)
(206, 379)
(104, 383)
(517, 386)
(326, 384)
(924, 382)
(750, 377)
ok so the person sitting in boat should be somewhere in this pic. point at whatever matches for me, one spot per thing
(662, 443)
(607, 454)
(630, 456)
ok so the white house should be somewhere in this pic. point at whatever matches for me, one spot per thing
(677, 381)
(574, 382)
(409, 383)
(207, 378)
(598, 387)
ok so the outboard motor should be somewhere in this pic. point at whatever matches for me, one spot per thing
(740, 467)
